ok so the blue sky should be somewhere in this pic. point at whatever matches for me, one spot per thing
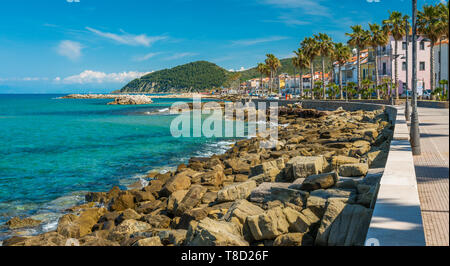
(99, 45)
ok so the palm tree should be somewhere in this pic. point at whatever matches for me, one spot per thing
(274, 64)
(366, 84)
(443, 15)
(429, 24)
(309, 47)
(325, 49)
(262, 69)
(342, 53)
(396, 25)
(358, 39)
(378, 38)
(302, 62)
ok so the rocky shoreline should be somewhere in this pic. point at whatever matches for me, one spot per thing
(316, 187)
(119, 99)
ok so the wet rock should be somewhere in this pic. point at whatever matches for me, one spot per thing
(236, 191)
(208, 232)
(99, 197)
(72, 226)
(17, 223)
(353, 170)
(44, 240)
(321, 181)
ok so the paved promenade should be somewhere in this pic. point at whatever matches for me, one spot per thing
(432, 171)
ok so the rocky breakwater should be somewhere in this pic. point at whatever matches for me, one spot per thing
(316, 187)
(119, 99)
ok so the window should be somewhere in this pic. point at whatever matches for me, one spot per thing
(404, 45)
(404, 66)
(422, 45)
(384, 68)
(422, 66)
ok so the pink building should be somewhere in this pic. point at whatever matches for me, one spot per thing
(386, 63)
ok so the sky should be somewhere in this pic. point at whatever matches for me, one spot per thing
(82, 46)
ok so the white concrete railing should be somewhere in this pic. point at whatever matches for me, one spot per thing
(397, 218)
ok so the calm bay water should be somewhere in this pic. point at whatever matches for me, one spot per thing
(51, 151)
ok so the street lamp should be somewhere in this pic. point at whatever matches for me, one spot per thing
(415, 132)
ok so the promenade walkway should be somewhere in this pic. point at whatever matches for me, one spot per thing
(432, 171)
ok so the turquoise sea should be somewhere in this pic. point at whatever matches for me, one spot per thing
(52, 151)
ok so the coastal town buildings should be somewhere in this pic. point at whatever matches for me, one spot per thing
(440, 51)
(386, 64)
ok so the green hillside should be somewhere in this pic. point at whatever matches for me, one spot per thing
(199, 76)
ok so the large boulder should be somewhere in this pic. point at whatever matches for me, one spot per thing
(263, 191)
(73, 226)
(127, 228)
(268, 225)
(377, 159)
(240, 210)
(288, 195)
(125, 200)
(238, 166)
(360, 147)
(174, 199)
(301, 222)
(191, 199)
(236, 191)
(178, 182)
(321, 181)
(354, 170)
(127, 215)
(270, 169)
(215, 177)
(46, 240)
(343, 225)
(302, 167)
(209, 232)
(339, 160)
(344, 195)
(17, 223)
(157, 221)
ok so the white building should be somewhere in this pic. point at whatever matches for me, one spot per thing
(441, 61)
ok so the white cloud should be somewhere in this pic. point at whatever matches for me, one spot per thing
(128, 39)
(179, 55)
(70, 49)
(145, 57)
(258, 41)
(89, 76)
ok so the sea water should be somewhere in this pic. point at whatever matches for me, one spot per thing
(53, 150)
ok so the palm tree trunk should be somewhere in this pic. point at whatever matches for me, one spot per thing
(358, 60)
(396, 70)
(261, 84)
(432, 84)
(312, 80)
(340, 82)
(323, 78)
(295, 81)
(300, 85)
(377, 83)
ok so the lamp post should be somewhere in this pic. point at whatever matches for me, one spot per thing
(415, 133)
(407, 111)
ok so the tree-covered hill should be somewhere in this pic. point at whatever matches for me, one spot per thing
(200, 76)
